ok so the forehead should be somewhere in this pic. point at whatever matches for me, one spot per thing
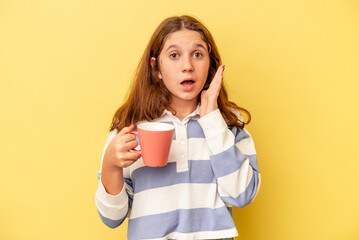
(184, 37)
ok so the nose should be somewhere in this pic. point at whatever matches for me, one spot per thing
(187, 64)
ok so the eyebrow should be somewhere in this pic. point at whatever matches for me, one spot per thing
(195, 44)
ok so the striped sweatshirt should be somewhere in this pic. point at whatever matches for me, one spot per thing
(209, 167)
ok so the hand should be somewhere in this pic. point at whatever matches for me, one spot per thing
(118, 153)
(118, 156)
(209, 97)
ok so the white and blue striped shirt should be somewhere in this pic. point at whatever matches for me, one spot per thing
(209, 167)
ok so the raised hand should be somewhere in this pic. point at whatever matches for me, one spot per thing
(209, 97)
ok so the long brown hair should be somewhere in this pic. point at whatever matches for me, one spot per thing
(148, 97)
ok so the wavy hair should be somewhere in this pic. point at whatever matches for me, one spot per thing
(148, 97)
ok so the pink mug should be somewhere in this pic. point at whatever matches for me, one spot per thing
(155, 141)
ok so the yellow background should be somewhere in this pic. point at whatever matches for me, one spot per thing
(66, 65)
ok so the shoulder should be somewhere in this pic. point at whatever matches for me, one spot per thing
(111, 136)
(112, 133)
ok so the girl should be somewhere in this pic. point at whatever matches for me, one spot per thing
(212, 161)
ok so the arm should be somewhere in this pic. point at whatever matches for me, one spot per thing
(233, 159)
(114, 192)
(111, 208)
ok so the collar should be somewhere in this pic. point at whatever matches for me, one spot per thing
(196, 112)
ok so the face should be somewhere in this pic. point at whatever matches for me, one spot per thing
(184, 63)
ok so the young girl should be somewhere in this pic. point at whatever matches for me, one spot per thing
(212, 162)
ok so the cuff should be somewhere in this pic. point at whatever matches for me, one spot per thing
(111, 200)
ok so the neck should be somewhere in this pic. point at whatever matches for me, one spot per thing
(182, 109)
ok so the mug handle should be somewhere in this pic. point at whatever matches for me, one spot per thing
(134, 150)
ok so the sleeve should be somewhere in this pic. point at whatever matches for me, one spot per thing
(113, 209)
(233, 159)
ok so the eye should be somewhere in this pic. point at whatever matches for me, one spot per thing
(174, 55)
(197, 55)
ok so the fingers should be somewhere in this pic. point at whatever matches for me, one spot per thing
(217, 80)
(209, 97)
(130, 145)
(131, 156)
(219, 72)
(126, 130)
(122, 156)
(124, 136)
(125, 141)
(128, 137)
(216, 84)
(119, 153)
(127, 159)
(125, 144)
(127, 163)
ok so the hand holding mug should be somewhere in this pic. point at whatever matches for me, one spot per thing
(118, 152)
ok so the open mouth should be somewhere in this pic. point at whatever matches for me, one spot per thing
(187, 82)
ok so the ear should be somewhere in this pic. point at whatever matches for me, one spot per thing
(153, 63)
